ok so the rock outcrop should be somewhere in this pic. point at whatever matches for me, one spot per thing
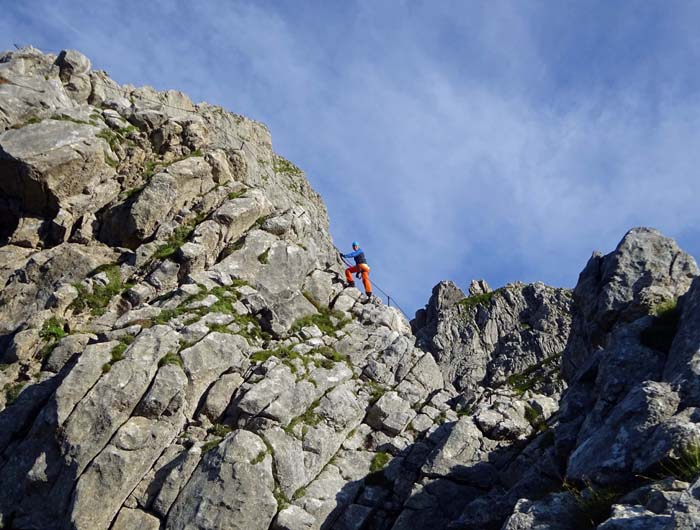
(483, 339)
(179, 351)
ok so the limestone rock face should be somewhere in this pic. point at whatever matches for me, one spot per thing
(483, 339)
(645, 269)
(178, 351)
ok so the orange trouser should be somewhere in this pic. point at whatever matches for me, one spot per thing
(364, 268)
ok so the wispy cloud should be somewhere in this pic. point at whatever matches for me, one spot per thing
(491, 139)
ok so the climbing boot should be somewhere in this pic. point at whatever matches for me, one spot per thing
(349, 284)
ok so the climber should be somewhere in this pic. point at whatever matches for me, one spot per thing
(360, 269)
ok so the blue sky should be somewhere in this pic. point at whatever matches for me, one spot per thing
(503, 140)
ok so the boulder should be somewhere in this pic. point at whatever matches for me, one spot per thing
(231, 488)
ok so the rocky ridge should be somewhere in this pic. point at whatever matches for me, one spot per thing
(179, 350)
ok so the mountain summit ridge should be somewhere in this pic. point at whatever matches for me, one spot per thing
(180, 352)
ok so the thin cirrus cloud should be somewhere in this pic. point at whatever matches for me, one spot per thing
(497, 140)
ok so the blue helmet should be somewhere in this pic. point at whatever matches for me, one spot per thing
(355, 244)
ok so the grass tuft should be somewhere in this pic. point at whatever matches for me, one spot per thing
(282, 165)
(53, 330)
(308, 419)
(97, 300)
(261, 456)
(211, 444)
(685, 466)
(171, 358)
(236, 195)
(178, 238)
(479, 299)
(12, 391)
(661, 332)
(594, 502)
(535, 418)
(379, 462)
(220, 430)
(533, 375)
(323, 320)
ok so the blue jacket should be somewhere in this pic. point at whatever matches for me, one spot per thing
(359, 256)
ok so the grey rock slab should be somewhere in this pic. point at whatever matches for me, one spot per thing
(227, 490)
(207, 360)
(146, 313)
(111, 401)
(65, 350)
(434, 504)
(390, 414)
(294, 518)
(142, 496)
(293, 402)
(672, 438)
(320, 285)
(288, 456)
(503, 419)
(129, 519)
(27, 294)
(276, 381)
(220, 394)
(556, 512)
(327, 495)
(463, 456)
(175, 480)
(33, 94)
(607, 454)
(50, 152)
(481, 341)
(339, 413)
(166, 393)
(353, 518)
(427, 373)
(344, 302)
(117, 470)
(682, 365)
(635, 518)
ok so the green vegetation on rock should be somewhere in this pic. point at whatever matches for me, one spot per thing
(534, 375)
(282, 165)
(685, 465)
(178, 238)
(12, 391)
(52, 331)
(660, 334)
(478, 299)
(327, 320)
(97, 300)
(171, 358)
(379, 461)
